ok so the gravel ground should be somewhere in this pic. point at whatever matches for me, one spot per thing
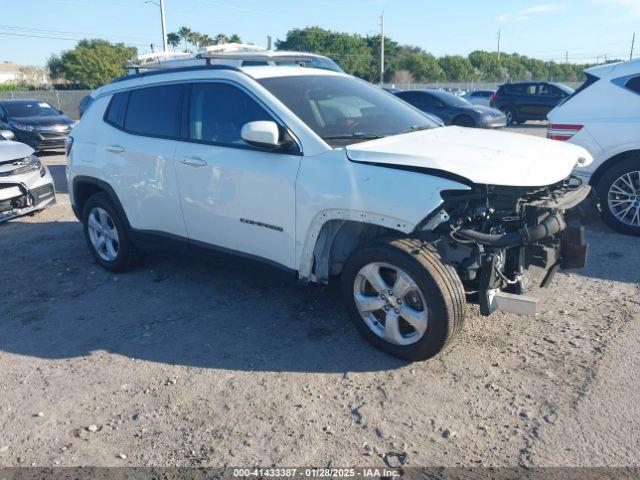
(185, 362)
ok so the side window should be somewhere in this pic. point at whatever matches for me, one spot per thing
(155, 111)
(218, 111)
(530, 89)
(545, 90)
(429, 100)
(634, 84)
(116, 109)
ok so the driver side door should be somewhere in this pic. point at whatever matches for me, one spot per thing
(235, 195)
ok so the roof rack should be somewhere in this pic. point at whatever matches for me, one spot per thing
(234, 53)
(159, 70)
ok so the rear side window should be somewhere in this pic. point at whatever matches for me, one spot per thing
(634, 84)
(155, 111)
(117, 107)
(218, 111)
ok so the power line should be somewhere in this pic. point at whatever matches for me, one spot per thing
(30, 29)
(56, 38)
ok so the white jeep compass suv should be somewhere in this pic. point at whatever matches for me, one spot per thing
(327, 176)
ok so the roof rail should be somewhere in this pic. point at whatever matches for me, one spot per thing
(159, 70)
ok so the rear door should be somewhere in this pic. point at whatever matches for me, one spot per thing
(234, 195)
(137, 147)
(526, 100)
(549, 97)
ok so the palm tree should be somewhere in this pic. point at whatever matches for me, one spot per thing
(196, 39)
(206, 40)
(221, 39)
(185, 33)
(235, 38)
(173, 39)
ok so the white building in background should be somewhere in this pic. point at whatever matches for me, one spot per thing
(9, 72)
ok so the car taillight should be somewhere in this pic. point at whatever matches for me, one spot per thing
(68, 143)
(559, 131)
(493, 97)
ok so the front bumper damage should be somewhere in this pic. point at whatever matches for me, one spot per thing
(16, 199)
(504, 241)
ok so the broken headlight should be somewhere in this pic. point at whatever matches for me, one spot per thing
(27, 165)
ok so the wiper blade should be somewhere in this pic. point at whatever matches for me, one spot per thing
(353, 135)
(416, 128)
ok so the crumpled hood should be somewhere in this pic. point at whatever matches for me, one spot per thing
(481, 156)
(10, 150)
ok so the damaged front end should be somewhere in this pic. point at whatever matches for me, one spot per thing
(502, 240)
(25, 187)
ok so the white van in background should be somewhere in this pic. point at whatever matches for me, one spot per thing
(603, 116)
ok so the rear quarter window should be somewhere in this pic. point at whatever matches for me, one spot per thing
(633, 84)
(116, 109)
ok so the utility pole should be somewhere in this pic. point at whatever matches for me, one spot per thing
(165, 45)
(498, 45)
(382, 48)
(566, 56)
(268, 42)
(633, 41)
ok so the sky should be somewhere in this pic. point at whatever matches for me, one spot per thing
(587, 30)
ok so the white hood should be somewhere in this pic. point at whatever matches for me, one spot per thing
(482, 156)
(10, 150)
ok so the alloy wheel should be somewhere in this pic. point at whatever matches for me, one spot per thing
(390, 303)
(103, 234)
(623, 198)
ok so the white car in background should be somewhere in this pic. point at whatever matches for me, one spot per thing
(603, 116)
(26, 185)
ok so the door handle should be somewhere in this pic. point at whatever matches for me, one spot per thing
(114, 148)
(193, 162)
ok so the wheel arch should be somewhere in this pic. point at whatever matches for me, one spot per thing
(464, 115)
(611, 162)
(85, 187)
(334, 234)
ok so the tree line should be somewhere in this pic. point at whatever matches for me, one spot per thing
(360, 55)
(96, 62)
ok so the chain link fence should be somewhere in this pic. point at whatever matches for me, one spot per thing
(66, 100)
(466, 86)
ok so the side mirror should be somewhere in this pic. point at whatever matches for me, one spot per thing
(264, 134)
(60, 112)
(7, 134)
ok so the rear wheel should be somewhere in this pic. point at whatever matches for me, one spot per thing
(403, 299)
(619, 194)
(510, 113)
(106, 234)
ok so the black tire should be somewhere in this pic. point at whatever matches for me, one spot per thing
(632, 164)
(510, 113)
(438, 283)
(126, 253)
(465, 121)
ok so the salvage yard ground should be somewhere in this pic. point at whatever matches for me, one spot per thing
(185, 362)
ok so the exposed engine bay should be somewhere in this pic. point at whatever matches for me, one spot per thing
(495, 236)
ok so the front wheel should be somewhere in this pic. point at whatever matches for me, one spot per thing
(619, 194)
(403, 299)
(465, 121)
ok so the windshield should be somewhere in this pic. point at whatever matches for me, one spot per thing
(30, 109)
(344, 110)
(451, 100)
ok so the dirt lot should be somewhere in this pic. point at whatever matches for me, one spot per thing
(185, 362)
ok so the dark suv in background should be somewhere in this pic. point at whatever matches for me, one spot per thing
(35, 123)
(524, 101)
